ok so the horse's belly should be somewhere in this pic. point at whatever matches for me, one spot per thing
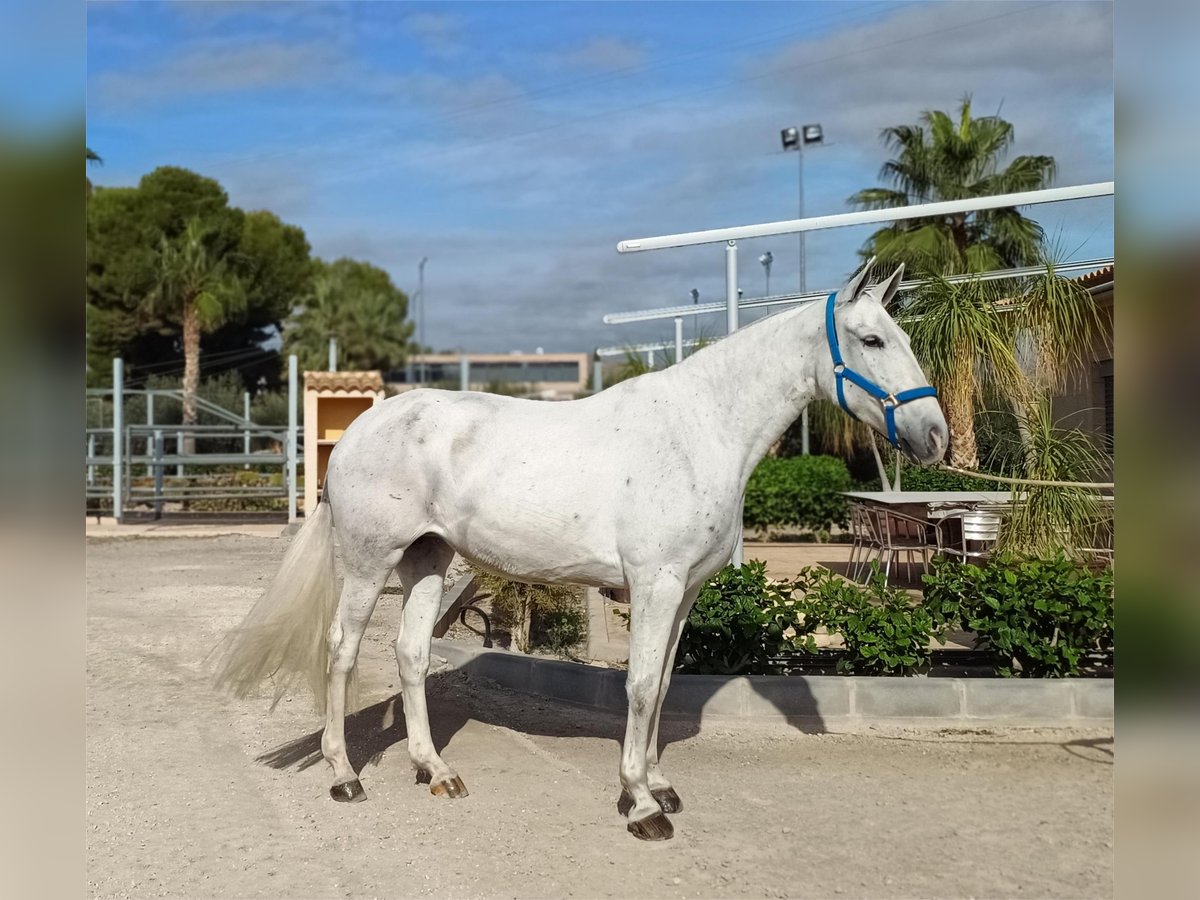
(541, 559)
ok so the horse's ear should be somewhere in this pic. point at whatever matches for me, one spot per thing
(856, 285)
(891, 286)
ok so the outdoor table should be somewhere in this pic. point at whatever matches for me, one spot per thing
(931, 505)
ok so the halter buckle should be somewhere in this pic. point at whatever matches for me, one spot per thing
(839, 368)
(889, 400)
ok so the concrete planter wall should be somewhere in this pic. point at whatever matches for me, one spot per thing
(819, 699)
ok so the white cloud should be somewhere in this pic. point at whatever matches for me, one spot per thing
(604, 54)
(441, 34)
(210, 68)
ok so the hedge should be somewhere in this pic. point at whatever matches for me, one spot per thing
(799, 490)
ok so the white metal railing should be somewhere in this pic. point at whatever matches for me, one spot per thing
(122, 439)
(868, 217)
(702, 309)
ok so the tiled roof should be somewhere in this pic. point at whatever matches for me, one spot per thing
(343, 381)
(1100, 276)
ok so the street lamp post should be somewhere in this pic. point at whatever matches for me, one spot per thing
(797, 139)
(421, 317)
(695, 300)
(766, 259)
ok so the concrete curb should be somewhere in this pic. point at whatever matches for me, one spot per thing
(845, 702)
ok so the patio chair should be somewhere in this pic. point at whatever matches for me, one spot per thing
(977, 533)
(864, 526)
(903, 534)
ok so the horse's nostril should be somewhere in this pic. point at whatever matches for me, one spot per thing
(937, 437)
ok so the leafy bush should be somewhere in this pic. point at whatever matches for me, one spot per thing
(553, 613)
(740, 622)
(915, 478)
(800, 490)
(885, 631)
(1039, 617)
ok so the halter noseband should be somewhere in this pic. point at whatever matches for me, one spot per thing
(888, 401)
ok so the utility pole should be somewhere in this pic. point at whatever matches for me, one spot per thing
(421, 314)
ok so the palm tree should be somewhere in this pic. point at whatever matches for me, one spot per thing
(92, 157)
(959, 334)
(944, 160)
(307, 332)
(368, 321)
(197, 288)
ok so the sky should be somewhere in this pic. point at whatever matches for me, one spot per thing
(515, 144)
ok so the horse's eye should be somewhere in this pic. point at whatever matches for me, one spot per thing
(873, 341)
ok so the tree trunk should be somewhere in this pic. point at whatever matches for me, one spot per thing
(191, 370)
(960, 412)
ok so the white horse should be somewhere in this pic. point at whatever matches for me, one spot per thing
(637, 487)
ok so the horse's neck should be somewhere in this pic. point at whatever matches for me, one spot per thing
(757, 381)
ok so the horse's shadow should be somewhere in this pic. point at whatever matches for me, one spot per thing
(373, 730)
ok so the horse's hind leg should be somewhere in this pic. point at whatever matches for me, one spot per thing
(360, 592)
(423, 573)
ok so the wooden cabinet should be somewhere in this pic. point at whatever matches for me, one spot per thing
(332, 400)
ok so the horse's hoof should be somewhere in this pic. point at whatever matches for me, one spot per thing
(656, 827)
(449, 787)
(668, 801)
(348, 792)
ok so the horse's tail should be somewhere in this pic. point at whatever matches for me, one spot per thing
(284, 634)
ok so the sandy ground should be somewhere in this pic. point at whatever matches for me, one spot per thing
(192, 794)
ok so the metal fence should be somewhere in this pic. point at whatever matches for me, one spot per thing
(183, 463)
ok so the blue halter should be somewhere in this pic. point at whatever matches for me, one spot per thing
(888, 401)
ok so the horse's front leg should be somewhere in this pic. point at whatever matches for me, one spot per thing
(655, 602)
(660, 787)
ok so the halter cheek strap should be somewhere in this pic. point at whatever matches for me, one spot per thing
(887, 400)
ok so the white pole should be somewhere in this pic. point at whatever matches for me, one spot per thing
(246, 416)
(868, 217)
(597, 376)
(150, 421)
(333, 353)
(291, 444)
(421, 314)
(731, 325)
(800, 210)
(464, 373)
(731, 287)
(118, 425)
(91, 469)
(679, 339)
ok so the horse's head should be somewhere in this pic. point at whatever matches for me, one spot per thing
(871, 371)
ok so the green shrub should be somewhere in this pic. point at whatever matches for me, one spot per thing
(800, 490)
(884, 630)
(1039, 617)
(915, 478)
(739, 623)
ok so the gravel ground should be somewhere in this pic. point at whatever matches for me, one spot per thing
(193, 794)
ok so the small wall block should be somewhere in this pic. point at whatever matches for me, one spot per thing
(1017, 699)
(797, 697)
(1094, 698)
(711, 695)
(611, 694)
(509, 669)
(566, 681)
(907, 698)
